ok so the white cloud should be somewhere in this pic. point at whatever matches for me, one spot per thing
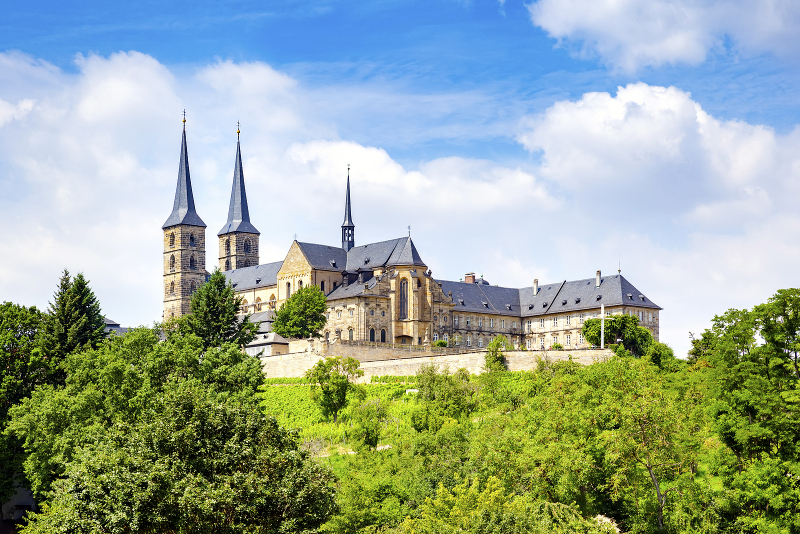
(700, 209)
(629, 34)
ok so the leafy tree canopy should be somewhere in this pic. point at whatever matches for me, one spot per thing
(214, 318)
(494, 359)
(619, 329)
(333, 378)
(302, 315)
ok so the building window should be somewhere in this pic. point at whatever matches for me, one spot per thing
(469, 341)
(480, 321)
(541, 323)
(372, 312)
(334, 286)
(383, 313)
(227, 247)
(541, 343)
(555, 321)
(244, 306)
(288, 289)
(502, 323)
(172, 288)
(555, 339)
(351, 312)
(455, 320)
(444, 318)
(192, 286)
(529, 327)
(350, 334)
(569, 339)
(403, 299)
(529, 344)
(193, 263)
(372, 334)
(580, 319)
(327, 336)
(569, 317)
(491, 323)
(258, 304)
(580, 339)
(247, 246)
(172, 263)
(480, 342)
(608, 314)
(419, 284)
(322, 286)
(339, 314)
(383, 335)
(435, 318)
(299, 284)
(468, 319)
(435, 336)
(191, 240)
(272, 301)
(172, 240)
(447, 339)
(227, 265)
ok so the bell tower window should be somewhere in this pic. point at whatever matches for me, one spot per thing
(172, 263)
(191, 240)
(227, 246)
(227, 265)
(172, 240)
(172, 288)
(247, 246)
(403, 313)
(193, 263)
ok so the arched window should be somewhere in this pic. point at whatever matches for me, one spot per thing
(327, 336)
(419, 284)
(383, 336)
(193, 263)
(172, 288)
(191, 240)
(403, 299)
(227, 265)
(322, 286)
(258, 304)
(350, 334)
(172, 262)
(172, 240)
(192, 286)
(299, 284)
(272, 301)
(247, 246)
(288, 289)
(447, 339)
(435, 336)
(372, 334)
(244, 306)
(334, 286)
(227, 246)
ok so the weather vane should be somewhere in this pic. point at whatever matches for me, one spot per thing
(184, 119)
(237, 129)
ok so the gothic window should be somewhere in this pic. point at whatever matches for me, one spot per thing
(191, 240)
(435, 318)
(419, 284)
(193, 263)
(334, 286)
(172, 263)
(372, 334)
(172, 240)
(351, 313)
(247, 246)
(272, 301)
(327, 336)
(172, 288)
(288, 289)
(244, 306)
(227, 265)
(403, 299)
(444, 318)
(192, 286)
(227, 246)
(383, 335)
(258, 304)
(300, 284)
(350, 334)
(322, 286)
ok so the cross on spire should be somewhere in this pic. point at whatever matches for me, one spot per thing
(184, 119)
(237, 130)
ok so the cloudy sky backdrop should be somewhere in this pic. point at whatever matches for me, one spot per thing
(519, 140)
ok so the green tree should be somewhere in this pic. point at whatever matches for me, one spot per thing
(369, 418)
(214, 317)
(21, 369)
(333, 378)
(624, 328)
(197, 460)
(662, 356)
(302, 315)
(73, 322)
(495, 359)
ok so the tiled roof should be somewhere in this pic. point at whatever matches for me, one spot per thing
(183, 211)
(353, 289)
(263, 275)
(321, 256)
(405, 254)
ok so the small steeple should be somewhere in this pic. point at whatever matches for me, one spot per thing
(348, 228)
(183, 211)
(238, 212)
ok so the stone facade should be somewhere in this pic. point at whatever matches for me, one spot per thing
(238, 250)
(184, 267)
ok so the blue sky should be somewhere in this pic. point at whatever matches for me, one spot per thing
(496, 129)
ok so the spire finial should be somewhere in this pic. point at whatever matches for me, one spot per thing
(348, 170)
(184, 119)
(237, 130)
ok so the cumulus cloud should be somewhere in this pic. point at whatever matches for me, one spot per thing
(702, 208)
(629, 34)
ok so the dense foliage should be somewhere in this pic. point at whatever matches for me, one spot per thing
(214, 315)
(332, 379)
(302, 315)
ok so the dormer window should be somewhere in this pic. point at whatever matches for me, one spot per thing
(333, 263)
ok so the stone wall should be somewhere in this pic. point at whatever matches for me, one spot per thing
(378, 361)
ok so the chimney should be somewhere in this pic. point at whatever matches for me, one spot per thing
(469, 278)
(597, 279)
(535, 286)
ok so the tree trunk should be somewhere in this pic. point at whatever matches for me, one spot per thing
(660, 498)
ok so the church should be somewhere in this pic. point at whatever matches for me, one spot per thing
(381, 292)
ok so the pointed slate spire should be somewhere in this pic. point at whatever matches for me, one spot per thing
(183, 211)
(238, 213)
(348, 228)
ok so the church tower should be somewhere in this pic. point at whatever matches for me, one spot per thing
(238, 239)
(184, 244)
(348, 228)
